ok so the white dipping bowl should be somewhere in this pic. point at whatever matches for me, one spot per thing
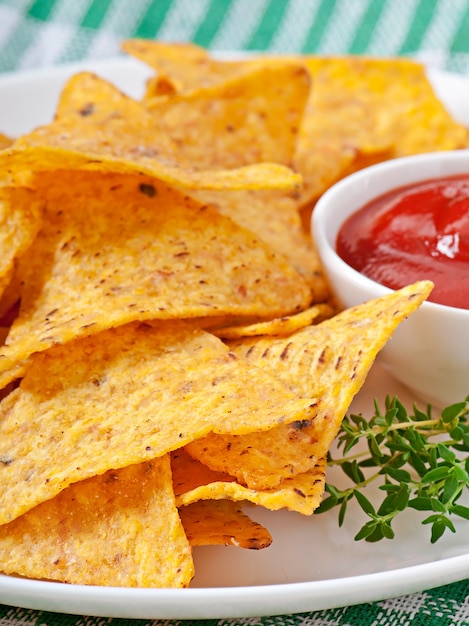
(429, 352)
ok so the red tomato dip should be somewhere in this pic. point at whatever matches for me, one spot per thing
(411, 233)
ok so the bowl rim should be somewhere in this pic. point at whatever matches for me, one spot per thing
(408, 164)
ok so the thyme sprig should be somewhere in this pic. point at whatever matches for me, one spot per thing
(420, 462)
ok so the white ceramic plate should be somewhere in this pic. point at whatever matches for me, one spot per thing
(312, 564)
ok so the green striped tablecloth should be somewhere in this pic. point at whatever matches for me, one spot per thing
(46, 32)
(36, 33)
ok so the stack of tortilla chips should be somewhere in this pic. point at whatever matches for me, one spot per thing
(171, 350)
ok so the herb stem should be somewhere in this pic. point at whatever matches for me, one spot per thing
(415, 471)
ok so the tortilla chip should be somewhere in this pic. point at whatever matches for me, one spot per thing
(330, 360)
(121, 249)
(99, 128)
(359, 161)
(279, 326)
(181, 67)
(194, 481)
(126, 396)
(274, 217)
(188, 473)
(263, 460)
(20, 214)
(120, 529)
(251, 119)
(382, 107)
(222, 522)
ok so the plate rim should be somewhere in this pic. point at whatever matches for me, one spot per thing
(242, 601)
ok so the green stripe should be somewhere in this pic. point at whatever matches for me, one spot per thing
(14, 47)
(422, 18)
(367, 26)
(153, 19)
(267, 27)
(96, 14)
(214, 18)
(78, 47)
(41, 9)
(365, 615)
(461, 38)
(319, 26)
(456, 594)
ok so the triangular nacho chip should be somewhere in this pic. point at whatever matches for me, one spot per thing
(20, 215)
(194, 481)
(181, 67)
(121, 249)
(222, 522)
(125, 396)
(274, 218)
(382, 108)
(121, 529)
(279, 326)
(251, 119)
(330, 360)
(99, 128)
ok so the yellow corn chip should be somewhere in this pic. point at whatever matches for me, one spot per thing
(181, 67)
(99, 128)
(126, 228)
(125, 396)
(279, 326)
(251, 119)
(330, 360)
(194, 482)
(365, 109)
(222, 522)
(274, 217)
(118, 529)
(188, 473)
(20, 214)
(121, 249)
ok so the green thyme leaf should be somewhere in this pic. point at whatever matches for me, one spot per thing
(462, 511)
(420, 461)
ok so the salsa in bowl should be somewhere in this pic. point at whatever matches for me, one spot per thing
(429, 353)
